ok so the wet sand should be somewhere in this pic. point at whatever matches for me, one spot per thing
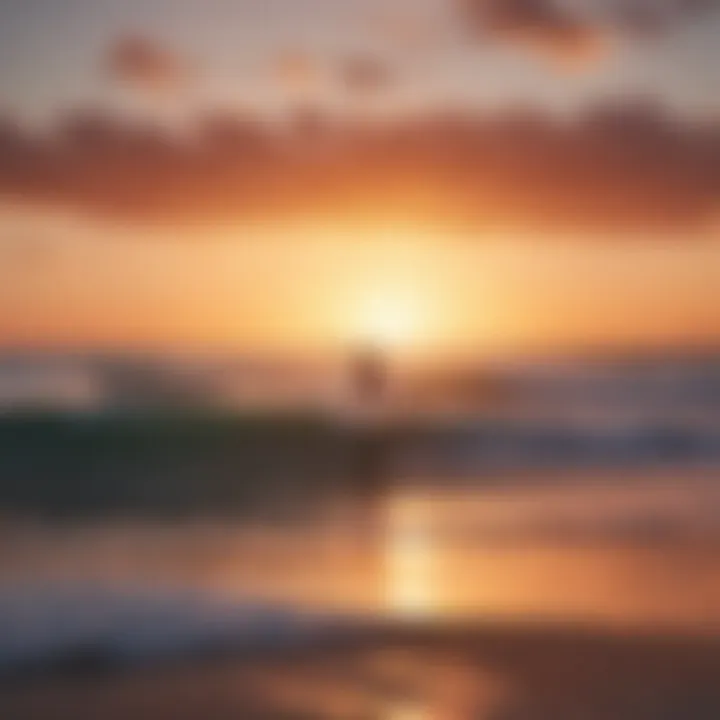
(495, 672)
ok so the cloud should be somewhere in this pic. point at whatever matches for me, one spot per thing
(625, 167)
(360, 74)
(540, 25)
(364, 74)
(144, 64)
(297, 70)
(579, 32)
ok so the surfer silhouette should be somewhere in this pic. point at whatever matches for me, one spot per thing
(369, 373)
(369, 379)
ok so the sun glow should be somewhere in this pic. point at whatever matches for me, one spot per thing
(388, 320)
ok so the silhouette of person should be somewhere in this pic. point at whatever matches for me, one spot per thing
(370, 442)
(369, 375)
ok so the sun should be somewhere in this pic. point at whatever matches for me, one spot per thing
(388, 319)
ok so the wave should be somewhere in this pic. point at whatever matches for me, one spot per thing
(95, 628)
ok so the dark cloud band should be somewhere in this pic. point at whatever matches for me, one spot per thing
(624, 167)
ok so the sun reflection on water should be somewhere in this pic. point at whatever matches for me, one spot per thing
(407, 711)
(409, 550)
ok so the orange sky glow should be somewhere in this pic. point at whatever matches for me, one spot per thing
(319, 286)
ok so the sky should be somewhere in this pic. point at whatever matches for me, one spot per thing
(436, 174)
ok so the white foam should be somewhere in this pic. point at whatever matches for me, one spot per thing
(40, 625)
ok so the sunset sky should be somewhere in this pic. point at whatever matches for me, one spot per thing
(294, 174)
